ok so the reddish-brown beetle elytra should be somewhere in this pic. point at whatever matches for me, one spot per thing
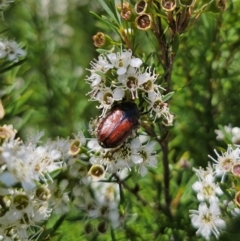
(118, 124)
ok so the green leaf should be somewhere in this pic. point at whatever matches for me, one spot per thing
(168, 96)
(106, 21)
(175, 43)
(101, 74)
(2, 69)
(110, 12)
(102, 51)
(55, 173)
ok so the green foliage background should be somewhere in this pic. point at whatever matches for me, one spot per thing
(48, 92)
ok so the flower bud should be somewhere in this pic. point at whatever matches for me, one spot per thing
(237, 198)
(43, 193)
(144, 21)
(168, 119)
(102, 40)
(125, 11)
(74, 148)
(217, 6)
(184, 164)
(102, 227)
(88, 228)
(7, 132)
(168, 5)
(236, 169)
(221, 5)
(227, 163)
(141, 7)
(97, 172)
(21, 201)
(2, 111)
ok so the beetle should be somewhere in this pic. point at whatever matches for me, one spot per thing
(118, 124)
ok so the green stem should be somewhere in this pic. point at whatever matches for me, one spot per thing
(134, 191)
(167, 57)
(166, 178)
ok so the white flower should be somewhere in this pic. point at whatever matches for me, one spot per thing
(106, 192)
(235, 212)
(236, 135)
(129, 80)
(117, 158)
(46, 161)
(59, 199)
(130, 154)
(202, 173)
(94, 146)
(77, 170)
(206, 189)
(124, 157)
(19, 218)
(10, 217)
(123, 60)
(144, 157)
(159, 108)
(106, 96)
(118, 93)
(34, 139)
(94, 79)
(11, 50)
(207, 220)
(105, 158)
(135, 62)
(18, 160)
(118, 76)
(62, 145)
(107, 198)
(28, 164)
(222, 133)
(3, 53)
(224, 162)
(102, 64)
(229, 132)
(14, 51)
(232, 208)
(147, 81)
(120, 61)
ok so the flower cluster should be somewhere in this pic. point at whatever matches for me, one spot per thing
(26, 179)
(32, 190)
(117, 79)
(208, 219)
(131, 154)
(178, 23)
(22, 213)
(28, 163)
(103, 205)
(118, 76)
